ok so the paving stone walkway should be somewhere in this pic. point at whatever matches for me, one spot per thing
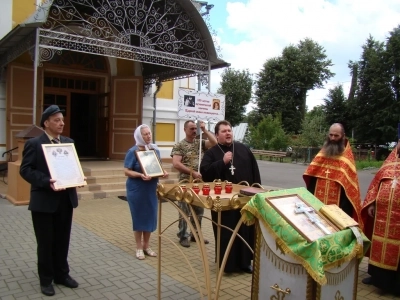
(103, 270)
(102, 258)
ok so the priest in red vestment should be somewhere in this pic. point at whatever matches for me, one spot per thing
(332, 175)
(381, 215)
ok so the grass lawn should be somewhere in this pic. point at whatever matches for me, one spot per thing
(368, 164)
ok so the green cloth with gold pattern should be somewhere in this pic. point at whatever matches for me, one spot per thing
(327, 252)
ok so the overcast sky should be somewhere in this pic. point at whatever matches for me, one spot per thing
(253, 31)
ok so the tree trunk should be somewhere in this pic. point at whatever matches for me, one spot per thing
(354, 78)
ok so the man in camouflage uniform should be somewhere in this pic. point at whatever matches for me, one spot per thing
(185, 158)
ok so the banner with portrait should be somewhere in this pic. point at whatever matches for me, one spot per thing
(199, 105)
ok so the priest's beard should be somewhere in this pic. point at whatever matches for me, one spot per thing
(333, 148)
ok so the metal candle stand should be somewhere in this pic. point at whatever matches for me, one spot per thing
(183, 191)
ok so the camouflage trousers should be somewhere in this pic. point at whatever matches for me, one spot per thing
(182, 225)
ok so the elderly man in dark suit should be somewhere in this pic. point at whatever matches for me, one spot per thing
(51, 208)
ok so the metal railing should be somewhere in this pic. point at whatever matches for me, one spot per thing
(4, 165)
(303, 154)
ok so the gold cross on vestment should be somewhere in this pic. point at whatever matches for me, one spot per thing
(379, 227)
(393, 230)
(327, 173)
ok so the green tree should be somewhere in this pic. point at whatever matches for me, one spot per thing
(314, 128)
(268, 134)
(283, 82)
(237, 86)
(336, 107)
(252, 118)
(393, 58)
(371, 112)
(274, 96)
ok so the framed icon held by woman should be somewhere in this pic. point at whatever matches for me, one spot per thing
(150, 163)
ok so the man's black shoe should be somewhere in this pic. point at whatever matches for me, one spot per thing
(367, 280)
(192, 239)
(47, 290)
(184, 243)
(68, 282)
(248, 269)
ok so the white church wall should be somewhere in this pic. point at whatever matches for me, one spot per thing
(166, 112)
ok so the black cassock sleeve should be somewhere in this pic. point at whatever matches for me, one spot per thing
(212, 165)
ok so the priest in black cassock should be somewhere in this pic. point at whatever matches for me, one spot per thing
(234, 162)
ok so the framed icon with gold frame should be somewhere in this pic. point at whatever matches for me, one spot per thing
(285, 205)
(150, 163)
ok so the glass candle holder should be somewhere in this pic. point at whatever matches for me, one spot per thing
(196, 188)
(228, 187)
(206, 189)
(217, 188)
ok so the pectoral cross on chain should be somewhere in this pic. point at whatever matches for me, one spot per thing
(232, 168)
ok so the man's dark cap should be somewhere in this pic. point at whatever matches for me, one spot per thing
(51, 110)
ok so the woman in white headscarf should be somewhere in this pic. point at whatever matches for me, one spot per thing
(141, 193)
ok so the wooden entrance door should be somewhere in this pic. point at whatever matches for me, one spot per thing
(103, 125)
(87, 116)
(125, 113)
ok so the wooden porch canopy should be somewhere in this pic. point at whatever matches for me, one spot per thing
(169, 37)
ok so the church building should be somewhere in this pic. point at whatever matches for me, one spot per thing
(111, 65)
